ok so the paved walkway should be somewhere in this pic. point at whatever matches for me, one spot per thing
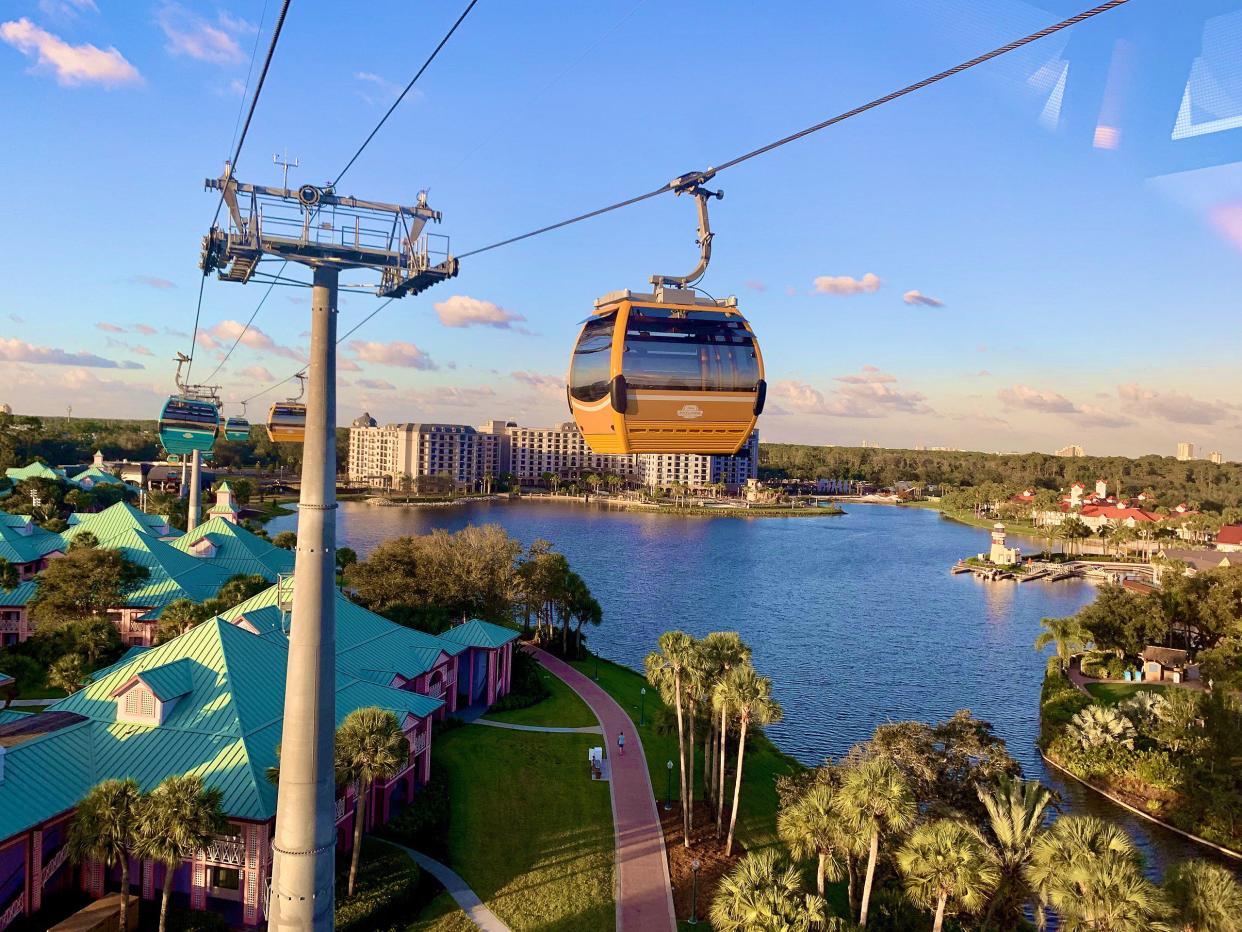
(584, 730)
(466, 898)
(644, 893)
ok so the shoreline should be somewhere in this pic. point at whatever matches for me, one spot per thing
(763, 511)
(1139, 812)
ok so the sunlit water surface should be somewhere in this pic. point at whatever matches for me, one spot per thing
(856, 618)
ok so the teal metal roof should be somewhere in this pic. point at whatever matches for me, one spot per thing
(21, 594)
(238, 549)
(35, 470)
(170, 681)
(225, 726)
(12, 715)
(26, 543)
(173, 573)
(116, 520)
(478, 633)
(96, 476)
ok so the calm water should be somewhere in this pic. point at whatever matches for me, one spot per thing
(856, 618)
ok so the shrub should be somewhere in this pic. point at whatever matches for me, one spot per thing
(1158, 769)
(424, 822)
(386, 893)
(1059, 702)
(527, 685)
(1099, 726)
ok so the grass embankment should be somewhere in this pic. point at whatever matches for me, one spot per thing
(1113, 693)
(756, 821)
(561, 709)
(529, 831)
(269, 508)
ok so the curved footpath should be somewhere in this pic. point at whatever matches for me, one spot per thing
(457, 888)
(644, 892)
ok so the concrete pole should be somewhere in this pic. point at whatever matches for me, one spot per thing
(195, 510)
(304, 848)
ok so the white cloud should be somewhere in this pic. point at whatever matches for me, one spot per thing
(396, 353)
(868, 393)
(17, 318)
(190, 35)
(550, 385)
(383, 88)
(257, 373)
(1045, 401)
(376, 385)
(73, 65)
(109, 328)
(345, 364)
(227, 331)
(67, 9)
(162, 284)
(21, 351)
(917, 297)
(846, 284)
(144, 329)
(755, 285)
(798, 395)
(463, 311)
(1171, 406)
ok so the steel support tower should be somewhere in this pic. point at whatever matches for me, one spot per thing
(327, 232)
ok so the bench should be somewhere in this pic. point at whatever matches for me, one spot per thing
(595, 758)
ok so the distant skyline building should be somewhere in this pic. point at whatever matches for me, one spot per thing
(1216, 457)
(1072, 449)
(1185, 450)
(469, 456)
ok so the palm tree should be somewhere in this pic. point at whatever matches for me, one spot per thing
(947, 862)
(664, 669)
(1015, 811)
(1066, 633)
(370, 746)
(105, 828)
(750, 696)
(812, 826)
(67, 673)
(722, 651)
(876, 794)
(177, 819)
(1203, 897)
(1089, 873)
(763, 894)
(696, 682)
(178, 617)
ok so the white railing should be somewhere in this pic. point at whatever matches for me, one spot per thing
(225, 849)
(340, 809)
(420, 743)
(52, 866)
(16, 909)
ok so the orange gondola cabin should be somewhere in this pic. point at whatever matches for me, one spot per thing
(668, 372)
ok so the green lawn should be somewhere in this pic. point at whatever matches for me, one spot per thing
(529, 831)
(562, 709)
(1113, 693)
(442, 915)
(763, 764)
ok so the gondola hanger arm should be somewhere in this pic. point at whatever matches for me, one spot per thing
(692, 183)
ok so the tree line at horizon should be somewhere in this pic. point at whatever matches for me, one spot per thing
(1210, 486)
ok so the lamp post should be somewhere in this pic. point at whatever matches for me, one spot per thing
(596, 676)
(642, 706)
(694, 891)
(668, 797)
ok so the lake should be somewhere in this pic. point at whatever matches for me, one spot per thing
(856, 617)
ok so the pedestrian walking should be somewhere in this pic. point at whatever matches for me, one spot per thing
(621, 743)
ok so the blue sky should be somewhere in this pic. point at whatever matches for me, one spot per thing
(1017, 258)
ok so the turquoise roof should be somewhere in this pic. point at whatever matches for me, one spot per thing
(238, 549)
(96, 476)
(21, 594)
(28, 544)
(12, 715)
(5, 679)
(35, 470)
(365, 641)
(116, 520)
(224, 727)
(478, 633)
(174, 574)
(169, 681)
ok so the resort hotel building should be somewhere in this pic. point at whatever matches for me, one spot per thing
(384, 456)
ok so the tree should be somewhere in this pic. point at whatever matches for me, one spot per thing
(721, 651)
(105, 829)
(664, 668)
(285, 540)
(763, 894)
(96, 638)
(370, 747)
(178, 617)
(177, 819)
(1089, 873)
(1015, 810)
(876, 795)
(948, 867)
(84, 582)
(1099, 726)
(83, 541)
(1203, 897)
(10, 579)
(812, 826)
(67, 673)
(345, 558)
(1066, 633)
(750, 697)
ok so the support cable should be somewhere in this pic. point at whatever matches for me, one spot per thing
(414, 80)
(831, 121)
(254, 102)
